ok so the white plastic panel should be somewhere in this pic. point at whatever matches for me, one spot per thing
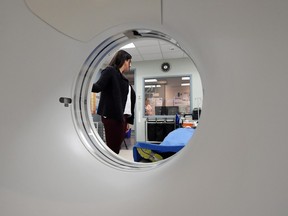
(84, 19)
(237, 163)
(239, 156)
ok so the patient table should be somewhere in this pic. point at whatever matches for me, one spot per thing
(171, 144)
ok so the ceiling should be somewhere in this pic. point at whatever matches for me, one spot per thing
(149, 50)
(153, 49)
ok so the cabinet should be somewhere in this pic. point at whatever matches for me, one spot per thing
(156, 129)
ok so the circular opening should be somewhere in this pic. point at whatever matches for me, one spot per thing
(86, 128)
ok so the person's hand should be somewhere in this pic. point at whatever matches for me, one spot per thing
(127, 128)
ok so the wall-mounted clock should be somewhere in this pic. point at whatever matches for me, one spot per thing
(165, 67)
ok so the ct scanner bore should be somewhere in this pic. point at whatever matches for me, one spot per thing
(81, 103)
(239, 46)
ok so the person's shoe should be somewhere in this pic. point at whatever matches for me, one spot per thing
(149, 154)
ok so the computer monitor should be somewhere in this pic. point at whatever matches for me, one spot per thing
(196, 113)
(166, 110)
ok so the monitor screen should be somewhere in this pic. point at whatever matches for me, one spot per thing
(166, 110)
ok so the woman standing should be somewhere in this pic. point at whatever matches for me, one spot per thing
(117, 100)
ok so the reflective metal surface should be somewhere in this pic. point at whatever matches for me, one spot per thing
(81, 112)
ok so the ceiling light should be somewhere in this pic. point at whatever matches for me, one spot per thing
(128, 46)
(185, 84)
(152, 86)
(186, 78)
(149, 86)
(150, 80)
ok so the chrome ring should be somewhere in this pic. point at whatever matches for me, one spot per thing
(83, 85)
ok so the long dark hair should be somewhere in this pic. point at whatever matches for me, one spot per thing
(119, 58)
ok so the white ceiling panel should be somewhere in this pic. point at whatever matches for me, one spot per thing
(152, 56)
(146, 42)
(172, 55)
(149, 49)
(154, 49)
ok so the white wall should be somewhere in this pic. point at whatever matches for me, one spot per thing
(236, 163)
(148, 69)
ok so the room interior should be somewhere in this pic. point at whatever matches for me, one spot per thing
(150, 54)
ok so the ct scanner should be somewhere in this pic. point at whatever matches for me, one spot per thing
(237, 164)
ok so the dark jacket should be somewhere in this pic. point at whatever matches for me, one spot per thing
(114, 89)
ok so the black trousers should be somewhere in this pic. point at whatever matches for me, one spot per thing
(114, 133)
